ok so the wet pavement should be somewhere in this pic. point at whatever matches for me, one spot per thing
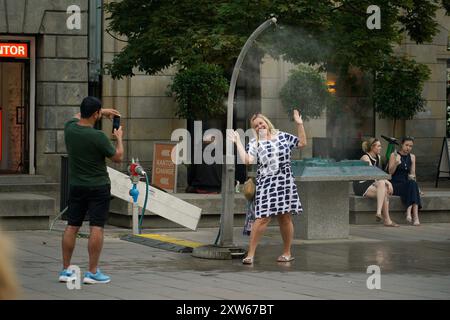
(421, 258)
(414, 263)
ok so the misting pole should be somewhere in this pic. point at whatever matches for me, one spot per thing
(228, 172)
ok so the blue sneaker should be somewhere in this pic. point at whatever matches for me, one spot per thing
(66, 275)
(99, 277)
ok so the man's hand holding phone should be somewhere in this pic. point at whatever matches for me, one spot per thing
(118, 133)
(114, 115)
(116, 123)
(110, 113)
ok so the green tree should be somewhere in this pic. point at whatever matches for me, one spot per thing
(306, 89)
(200, 92)
(187, 32)
(333, 33)
(398, 88)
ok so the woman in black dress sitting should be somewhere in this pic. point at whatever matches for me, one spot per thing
(379, 189)
(402, 167)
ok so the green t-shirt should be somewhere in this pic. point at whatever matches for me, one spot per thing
(87, 149)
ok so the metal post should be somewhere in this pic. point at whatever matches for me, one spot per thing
(135, 217)
(134, 193)
(228, 174)
(225, 248)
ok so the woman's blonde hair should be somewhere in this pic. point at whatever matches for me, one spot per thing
(368, 143)
(272, 129)
(8, 283)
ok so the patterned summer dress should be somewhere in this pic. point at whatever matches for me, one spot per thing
(276, 191)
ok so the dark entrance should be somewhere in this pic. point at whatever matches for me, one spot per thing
(14, 115)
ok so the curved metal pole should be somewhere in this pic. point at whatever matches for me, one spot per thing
(228, 174)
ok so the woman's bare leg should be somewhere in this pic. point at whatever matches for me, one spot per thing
(415, 214)
(258, 228)
(387, 217)
(379, 192)
(408, 214)
(287, 232)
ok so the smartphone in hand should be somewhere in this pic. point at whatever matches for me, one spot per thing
(116, 123)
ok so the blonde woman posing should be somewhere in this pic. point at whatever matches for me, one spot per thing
(276, 191)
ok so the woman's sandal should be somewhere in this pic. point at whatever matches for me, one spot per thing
(392, 224)
(247, 260)
(416, 223)
(284, 258)
(409, 220)
(378, 218)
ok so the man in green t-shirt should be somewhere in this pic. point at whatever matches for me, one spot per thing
(90, 187)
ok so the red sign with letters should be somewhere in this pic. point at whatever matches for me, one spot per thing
(14, 50)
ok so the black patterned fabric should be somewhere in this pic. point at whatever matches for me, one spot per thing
(249, 218)
(276, 191)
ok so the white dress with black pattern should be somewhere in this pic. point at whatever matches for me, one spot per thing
(276, 191)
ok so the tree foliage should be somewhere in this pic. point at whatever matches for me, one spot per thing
(398, 88)
(328, 33)
(306, 89)
(189, 32)
(200, 92)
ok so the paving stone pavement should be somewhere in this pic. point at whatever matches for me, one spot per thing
(414, 264)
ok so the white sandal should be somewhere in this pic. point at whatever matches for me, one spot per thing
(284, 258)
(247, 260)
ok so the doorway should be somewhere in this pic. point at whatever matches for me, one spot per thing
(14, 115)
(17, 104)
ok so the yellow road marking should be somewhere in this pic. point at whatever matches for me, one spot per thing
(165, 238)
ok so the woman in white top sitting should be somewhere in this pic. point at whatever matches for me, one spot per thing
(378, 189)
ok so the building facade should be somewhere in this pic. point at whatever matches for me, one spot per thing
(43, 90)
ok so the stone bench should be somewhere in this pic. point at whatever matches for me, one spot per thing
(25, 211)
(324, 193)
(435, 208)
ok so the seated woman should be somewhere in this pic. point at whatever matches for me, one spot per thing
(379, 189)
(402, 167)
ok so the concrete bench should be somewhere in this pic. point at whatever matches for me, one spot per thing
(435, 208)
(25, 211)
(324, 193)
